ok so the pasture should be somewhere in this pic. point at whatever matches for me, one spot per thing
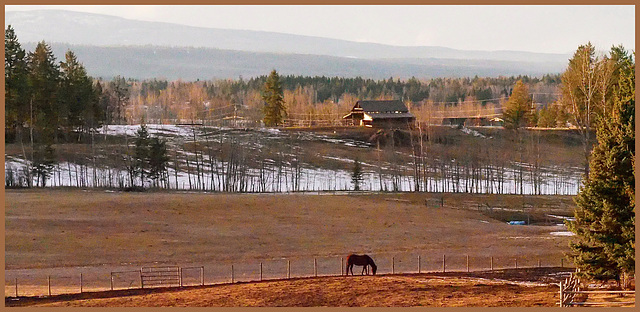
(75, 230)
(431, 290)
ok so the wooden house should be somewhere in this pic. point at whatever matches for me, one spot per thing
(381, 114)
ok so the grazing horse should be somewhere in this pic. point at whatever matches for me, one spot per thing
(361, 260)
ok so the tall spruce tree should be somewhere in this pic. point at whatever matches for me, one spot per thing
(605, 214)
(158, 159)
(141, 154)
(15, 83)
(356, 175)
(78, 99)
(120, 92)
(273, 96)
(44, 78)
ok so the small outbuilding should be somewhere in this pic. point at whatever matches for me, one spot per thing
(381, 114)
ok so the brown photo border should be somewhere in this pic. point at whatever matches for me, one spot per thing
(302, 2)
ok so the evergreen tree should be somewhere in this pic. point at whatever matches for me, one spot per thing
(44, 78)
(120, 95)
(44, 158)
(79, 103)
(605, 214)
(141, 154)
(356, 175)
(158, 159)
(517, 111)
(273, 96)
(15, 83)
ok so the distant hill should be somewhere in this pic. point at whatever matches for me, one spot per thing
(205, 63)
(116, 46)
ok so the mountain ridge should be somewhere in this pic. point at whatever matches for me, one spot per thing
(140, 49)
(29, 23)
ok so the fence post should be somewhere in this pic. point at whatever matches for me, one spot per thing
(516, 262)
(288, 269)
(467, 263)
(393, 265)
(111, 280)
(260, 270)
(232, 277)
(202, 275)
(491, 263)
(562, 262)
(538, 262)
(444, 263)
(16, 287)
(342, 266)
(141, 279)
(80, 282)
(49, 284)
(180, 271)
(419, 269)
(315, 267)
(561, 295)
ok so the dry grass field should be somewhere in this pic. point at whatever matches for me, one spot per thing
(432, 290)
(62, 228)
(76, 230)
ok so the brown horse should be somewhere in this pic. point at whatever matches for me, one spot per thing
(361, 260)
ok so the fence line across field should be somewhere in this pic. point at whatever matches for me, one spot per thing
(249, 271)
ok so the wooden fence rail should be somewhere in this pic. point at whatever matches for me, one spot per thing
(572, 287)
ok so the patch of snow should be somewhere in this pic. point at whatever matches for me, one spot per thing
(562, 217)
(474, 133)
(562, 233)
(497, 280)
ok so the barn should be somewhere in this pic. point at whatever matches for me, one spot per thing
(381, 114)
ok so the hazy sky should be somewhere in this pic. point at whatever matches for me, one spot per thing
(555, 29)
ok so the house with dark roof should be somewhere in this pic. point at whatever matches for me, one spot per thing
(381, 114)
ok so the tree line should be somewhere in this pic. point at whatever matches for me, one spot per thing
(84, 103)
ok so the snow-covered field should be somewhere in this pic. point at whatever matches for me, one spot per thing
(288, 178)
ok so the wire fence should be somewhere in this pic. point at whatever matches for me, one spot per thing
(58, 281)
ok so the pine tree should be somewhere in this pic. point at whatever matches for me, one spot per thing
(517, 110)
(356, 175)
(77, 95)
(120, 92)
(158, 159)
(44, 158)
(44, 78)
(273, 96)
(605, 214)
(141, 154)
(15, 83)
